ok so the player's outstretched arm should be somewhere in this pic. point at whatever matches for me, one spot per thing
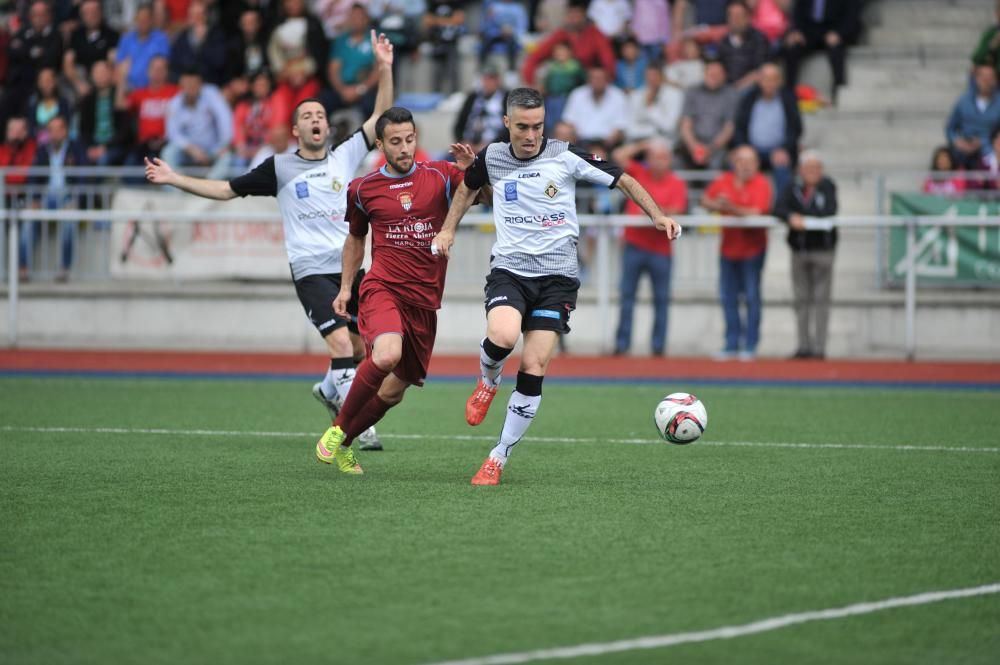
(382, 48)
(632, 189)
(159, 172)
(460, 204)
(354, 254)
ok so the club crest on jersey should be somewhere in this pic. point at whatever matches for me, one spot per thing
(510, 191)
(551, 190)
(405, 200)
(337, 185)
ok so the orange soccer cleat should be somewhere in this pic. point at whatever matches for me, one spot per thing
(489, 473)
(479, 403)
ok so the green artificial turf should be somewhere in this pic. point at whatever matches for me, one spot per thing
(174, 539)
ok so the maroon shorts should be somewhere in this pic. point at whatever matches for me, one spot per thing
(380, 312)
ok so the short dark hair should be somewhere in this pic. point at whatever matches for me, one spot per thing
(738, 3)
(396, 115)
(295, 111)
(524, 98)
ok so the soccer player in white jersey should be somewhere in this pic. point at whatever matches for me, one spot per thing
(533, 282)
(311, 187)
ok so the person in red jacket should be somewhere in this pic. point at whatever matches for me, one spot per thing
(589, 45)
(744, 192)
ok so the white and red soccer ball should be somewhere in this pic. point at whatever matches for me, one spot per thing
(680, 418)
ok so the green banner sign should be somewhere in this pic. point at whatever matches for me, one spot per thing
(947, 255)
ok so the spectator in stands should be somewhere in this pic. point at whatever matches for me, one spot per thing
(148, 108)
(611, 17)
(351, 71)
(445, 24)
(588, 44)
(987, 51)
(630, 72)
(253, 119)
(654, 110)
(811, 195)
(104, 130)
(743, 49)
(18, 149)
(297, 46)
(46, 103)
(332, 14)
(200, 46)
(645, 249)
(296, 87)
(139, 46)
(828, 25)
(231, 13)
(743, 192)
(598, 111)
(708, 20)
(943, 177)
(35, 47)
(504, 25)
(248, 47)
(973, 118)
(199, 127)
(688, 70)
(768, 119)
(91, 41)
(771, 17)
(480, 121)
(279, 140)
(60, 152)
(563, 131)
(563, 75)
(707, 119)
(651, 27)
(400, 21)
(991, 162)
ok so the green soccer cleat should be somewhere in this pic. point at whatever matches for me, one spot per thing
(329, 450)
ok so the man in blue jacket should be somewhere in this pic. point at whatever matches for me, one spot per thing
(972, 121)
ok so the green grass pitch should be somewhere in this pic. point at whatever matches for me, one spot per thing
(174, 539)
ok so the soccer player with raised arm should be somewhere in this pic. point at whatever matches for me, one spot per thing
(311, 188)
(404, 204)
(533, 282)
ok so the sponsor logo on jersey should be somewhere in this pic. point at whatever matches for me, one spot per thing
(315, 214)
(337, 184)
(510, 191)
(553, 219)
(400, 185)
(302, 190)
(531, 174)
(405, 200)
(551, 190)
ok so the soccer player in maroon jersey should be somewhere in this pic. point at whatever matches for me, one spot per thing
(404, 204)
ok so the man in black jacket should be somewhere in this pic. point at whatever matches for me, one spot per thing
(480, 122)
(811, 195)
(768, 119)
(817, 25)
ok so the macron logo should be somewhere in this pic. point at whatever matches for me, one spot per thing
(401, 184)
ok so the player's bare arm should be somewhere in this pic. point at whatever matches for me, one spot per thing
(353, 256)
(159, 172)
(632, 189)
(382, 48)
(460, 204)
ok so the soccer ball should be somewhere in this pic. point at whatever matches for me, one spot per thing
(680, 418)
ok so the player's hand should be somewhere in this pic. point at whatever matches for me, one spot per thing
(670, 225)
(340, 303)
(463, 154)
(158, 171)
(442, 242)
(382, 48)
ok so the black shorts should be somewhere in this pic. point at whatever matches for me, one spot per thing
(317, 293)
(544, 302)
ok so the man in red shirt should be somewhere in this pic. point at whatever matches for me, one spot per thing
(404, 203)
(589, 45)
(742, 193)
(646, 249)
(149, 106)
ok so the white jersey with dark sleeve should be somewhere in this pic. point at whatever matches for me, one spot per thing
(312, 199)
(534, 204)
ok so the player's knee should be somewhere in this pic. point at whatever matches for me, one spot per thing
(386, 358)
(504, 337)
(391, 397)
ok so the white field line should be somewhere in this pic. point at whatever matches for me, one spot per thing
(724, 632)
(486, 437)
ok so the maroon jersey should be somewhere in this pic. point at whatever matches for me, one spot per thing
(404, 213)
